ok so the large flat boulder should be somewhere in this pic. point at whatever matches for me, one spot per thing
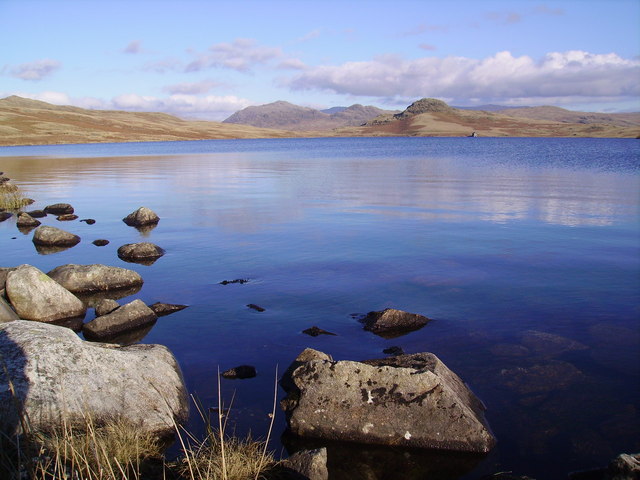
(54, 237)
(59, 209)
(407, 400)
(59, 377)
(94, 278)
(132, 316)
(35, 296)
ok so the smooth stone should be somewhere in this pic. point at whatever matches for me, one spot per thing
(36, 296)
(101, 242)
(255, 307)
(88, 221)
(54, 237)
(134, 252)
(60, 379)
(94, 278)
(132, 316)
(410, 400)
(5, 216)
(142, 216)
(67, 217)
(7, 314)
(59, 209)
(37, 213)
(105, 306)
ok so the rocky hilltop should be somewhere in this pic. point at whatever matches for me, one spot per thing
(287, 116)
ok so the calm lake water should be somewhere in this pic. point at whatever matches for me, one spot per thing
(524, 252)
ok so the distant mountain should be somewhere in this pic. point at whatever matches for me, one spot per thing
(432, 117)
(287, 116)
(488, 108)
(32, 122)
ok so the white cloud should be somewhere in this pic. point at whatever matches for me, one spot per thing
(203, 86)
(292, 64)
(501, 77)
(35, 71)
(134, 47)
(242, 55)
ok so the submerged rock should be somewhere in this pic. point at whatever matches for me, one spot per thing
(408, 400)
(141, 217)
(36, 296)
(308, 464)
(549, 344)
(88, 221)
(132, 316)
(163, 309)
(94, 278)
(101, 242)
(241, 372)
(60, 379)
(315, 331)
(255, 307)
(392, 323)
(59, 209)
(241, 281)
(54, 237)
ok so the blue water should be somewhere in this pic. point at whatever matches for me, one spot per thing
(491, 238)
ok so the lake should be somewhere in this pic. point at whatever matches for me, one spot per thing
(524, 252)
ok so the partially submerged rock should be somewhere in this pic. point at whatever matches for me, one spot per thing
(392, 323)
(67, 217)
(5, 216)
(35, 296)
(408, 400)
(26, 220)
(37, 213)
(132, 316)
(54, 237)
(59, 209)
(60, 379)
(88, 221)
(240, 372)
(141, 217)
(101, 242)
(308, 464)
(162, 309)
(143, 252)
(105, 306)
(94, 278)
(315, 331)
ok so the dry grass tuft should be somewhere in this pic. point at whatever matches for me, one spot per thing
(11, 198)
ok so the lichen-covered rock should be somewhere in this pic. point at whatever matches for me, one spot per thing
(308, 464)
(36, 296)
(132, 316)
(140, 252)
(59, 209)
(67, 217)
(59, 378)
(162, 309)
(94, 278)
(409, 400)
(54, 237)
(105, 306)
(391, 322)
(240, 372)
(142, 216)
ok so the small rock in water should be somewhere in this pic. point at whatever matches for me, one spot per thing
(59, 209)
(101, 242)
(52, 236)
(237, 280)
(105, 306)
(241, 372)
(315, 331)
(162, 309)
(67, 217)
(142, 216)
(88, 221)
(393, 351)
(4, 216)
(37, 213)
(255, 307)
(140, 252)
(26, 220)
(392, 323)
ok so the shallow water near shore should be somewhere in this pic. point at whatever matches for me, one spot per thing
(524, 252)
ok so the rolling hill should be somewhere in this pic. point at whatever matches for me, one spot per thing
(31, 122)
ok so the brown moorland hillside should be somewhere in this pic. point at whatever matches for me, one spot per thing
(31, 122)
(431, 117)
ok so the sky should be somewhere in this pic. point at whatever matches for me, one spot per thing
(208, 59)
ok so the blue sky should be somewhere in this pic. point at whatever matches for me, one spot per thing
(207, 59)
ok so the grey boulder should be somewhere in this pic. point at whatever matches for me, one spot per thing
(59, 378)
(26, 220)
(94, 278)
(391, 322)
(408, 400)
(59, 209)
(35, 296)
(105, 306)
(141, 217)
(140, 252)
(7, 314)
(54, 237)
(132, 316)
(308, 464)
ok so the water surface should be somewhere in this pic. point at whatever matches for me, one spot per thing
(524, 252)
